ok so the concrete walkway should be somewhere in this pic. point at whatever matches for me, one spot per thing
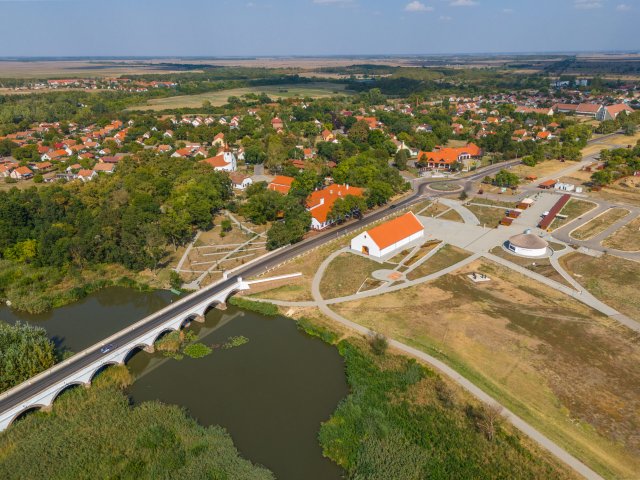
(466, 214)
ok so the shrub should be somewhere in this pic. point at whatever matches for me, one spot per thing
(197, 350)
(264, 308)
(378, 344)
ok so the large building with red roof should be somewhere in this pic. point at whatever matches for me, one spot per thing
(320, 202)
(445, 158)
(389, 237)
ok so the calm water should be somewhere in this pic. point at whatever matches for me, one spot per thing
(271, 394)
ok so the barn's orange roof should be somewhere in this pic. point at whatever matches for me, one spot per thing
(395, 230)
(281, 184)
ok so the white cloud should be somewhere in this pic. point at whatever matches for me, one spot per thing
(587, 4)
(417, 6)
(623, 7)
(507, 10)
(445, 18)
(463, 3)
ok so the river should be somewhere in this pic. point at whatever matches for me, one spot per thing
(271, 394)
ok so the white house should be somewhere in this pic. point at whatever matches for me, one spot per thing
(389, 237)
(225, 162)
(240, 181)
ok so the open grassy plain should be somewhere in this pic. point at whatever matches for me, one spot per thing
(566, 369)
(599, 224)
(314, 90)
(613, 280)
(626, 238)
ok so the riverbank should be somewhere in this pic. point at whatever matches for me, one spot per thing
(403, 420)
(40, 289)
(95, 433)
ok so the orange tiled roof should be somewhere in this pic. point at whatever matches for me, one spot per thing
(320, 202)
(395, 230)
(281, 184)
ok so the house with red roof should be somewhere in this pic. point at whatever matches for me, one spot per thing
(320, 202)
(240, 181)
(225, 162)
(445, 158)
(611, 112)
(277, 124)
(390, 237)
(281, 184)
(21, 173)
(86, 175)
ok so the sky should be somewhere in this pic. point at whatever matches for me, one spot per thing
(314, 27)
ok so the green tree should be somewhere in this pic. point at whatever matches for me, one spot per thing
(25, 351)
(401, 158)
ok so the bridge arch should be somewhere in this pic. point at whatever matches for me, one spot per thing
(162, 333)
(64, 388)
(26, 411)
(101, 369)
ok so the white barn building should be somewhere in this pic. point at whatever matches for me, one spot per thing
(389, 237)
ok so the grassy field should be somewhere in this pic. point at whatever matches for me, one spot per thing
(435, 209)
(346, 273)
(443, 258)
(452, 216)
(613, 280)
(626, 190)
(599, 224)
(315, 90)
(626, 238)
(574, 208)
(563, 367)
(495, 203)
(542, 169)
(489, 216)
(541, 266)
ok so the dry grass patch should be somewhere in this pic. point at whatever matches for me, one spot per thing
(495, 203)
(443, 258)
(542, 169)
(574, 208)
(435, 209)
(488, 216)
(541, 266)
(626, 238)
(452, 216)
(566, 369)
(217, 99)
(599, 224)
(613, 280)
(346, 274)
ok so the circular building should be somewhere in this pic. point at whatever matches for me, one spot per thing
(528, 245)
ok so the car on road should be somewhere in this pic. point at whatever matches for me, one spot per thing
(391, 207)
(107, 348)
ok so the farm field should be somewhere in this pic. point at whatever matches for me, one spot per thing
(315, 90)
(531, 348)
(84, 68)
